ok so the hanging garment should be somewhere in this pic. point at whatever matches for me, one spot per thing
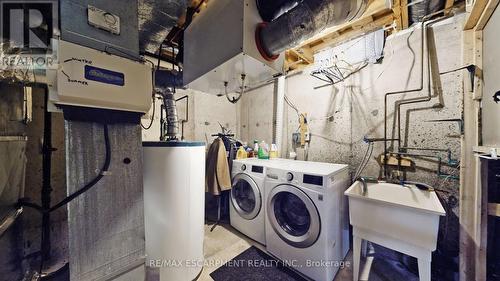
(218, 176)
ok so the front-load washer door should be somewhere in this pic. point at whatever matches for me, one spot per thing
(246, 197)
(293, 216)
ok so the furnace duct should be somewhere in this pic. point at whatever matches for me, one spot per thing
(303, 21)
(271, 9)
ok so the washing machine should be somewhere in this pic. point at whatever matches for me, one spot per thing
(246, 208)
(307, 224)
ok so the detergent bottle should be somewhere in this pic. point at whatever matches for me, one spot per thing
(242, 153)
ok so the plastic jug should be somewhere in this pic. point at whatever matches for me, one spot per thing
(242, 153)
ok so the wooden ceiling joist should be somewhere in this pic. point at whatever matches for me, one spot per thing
(475, 13)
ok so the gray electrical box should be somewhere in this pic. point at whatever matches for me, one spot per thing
(219, 46)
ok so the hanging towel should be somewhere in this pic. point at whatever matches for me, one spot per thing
(217, 176)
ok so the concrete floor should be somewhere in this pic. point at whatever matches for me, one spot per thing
(225, 243)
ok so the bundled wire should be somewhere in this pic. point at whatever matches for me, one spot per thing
(335, 74)
(292, 105)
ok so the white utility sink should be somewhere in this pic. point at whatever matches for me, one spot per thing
(402, 218)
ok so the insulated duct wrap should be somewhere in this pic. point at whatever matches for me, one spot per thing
(156, 19)
(419, 10)
(271, 9)
(172, 124)
(306, 20)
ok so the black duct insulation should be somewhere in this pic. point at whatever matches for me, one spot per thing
(272, 9)
(305, 20)
(419, 10)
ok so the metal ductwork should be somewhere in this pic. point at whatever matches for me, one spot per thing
(305, 20)
(156, 19)
(272, 9)
(170, 126)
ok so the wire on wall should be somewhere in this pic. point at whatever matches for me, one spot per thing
(336, 74)
(234, 100)
(153, 95)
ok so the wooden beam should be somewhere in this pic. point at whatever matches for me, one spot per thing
(475, 14)
(396, 10)
(304, 54)
(482, 222)
(448, 5)
(486, 15)
(469, 201)
(405, 20)
(477, 91)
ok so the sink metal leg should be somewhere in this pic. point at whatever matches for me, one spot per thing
(424, 270)
(364, 248)
(356, 257)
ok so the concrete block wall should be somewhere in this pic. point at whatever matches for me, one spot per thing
(341, 115)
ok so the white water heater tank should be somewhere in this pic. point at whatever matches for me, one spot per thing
(174, 208)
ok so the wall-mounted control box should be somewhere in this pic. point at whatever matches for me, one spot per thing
(90, 78)
(103, 19)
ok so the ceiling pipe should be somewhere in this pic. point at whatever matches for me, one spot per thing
(305, 20)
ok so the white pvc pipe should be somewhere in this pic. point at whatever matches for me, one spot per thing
(280, 106)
